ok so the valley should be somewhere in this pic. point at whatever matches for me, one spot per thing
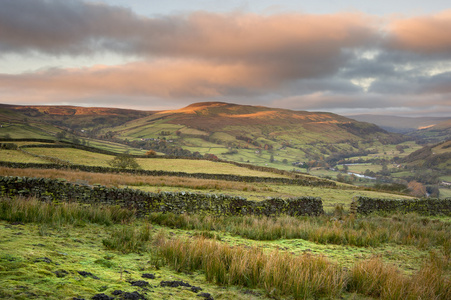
(53, 249)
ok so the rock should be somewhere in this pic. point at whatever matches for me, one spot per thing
(139, 283)
(174, 283)
(102, 297)
(147, 275)
(86, 274)
(61, 273)
(207, 296)
(43, 259)
(195, 289)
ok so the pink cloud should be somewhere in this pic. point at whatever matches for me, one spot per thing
(423, 34)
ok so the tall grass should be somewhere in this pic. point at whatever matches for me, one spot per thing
(278, 273)
(129, 239)
(33, 210)
(372, 231)
(376, 279)
(282, 274)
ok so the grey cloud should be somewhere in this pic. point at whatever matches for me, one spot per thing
(290, 46)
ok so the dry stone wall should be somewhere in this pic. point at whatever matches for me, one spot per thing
(226, 177)
(366, 205)
(145, 203)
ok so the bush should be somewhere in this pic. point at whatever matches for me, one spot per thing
(124, 161)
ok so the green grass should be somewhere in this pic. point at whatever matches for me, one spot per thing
(114, 147)
(445, 193)
(20, 157)
(19, 131)
(42, 260)
(75, 156)
(341, 230)
(198, 166)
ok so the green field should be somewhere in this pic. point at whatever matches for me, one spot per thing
(53, 256)
(80, 254)
(18, 156)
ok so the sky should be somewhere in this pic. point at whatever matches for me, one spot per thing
(348, 57)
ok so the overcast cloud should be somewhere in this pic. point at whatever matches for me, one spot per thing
(340, 62)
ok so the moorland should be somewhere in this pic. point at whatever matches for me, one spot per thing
(56, 249)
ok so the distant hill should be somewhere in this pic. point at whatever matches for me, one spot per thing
(437, 156)
(232, 123)
(434, 133)
(241, 133)
(73, 117)
(400, 124)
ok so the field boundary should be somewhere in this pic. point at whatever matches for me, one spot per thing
(144, 202)
(225, 177)
(429, 206)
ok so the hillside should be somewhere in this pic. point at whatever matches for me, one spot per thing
(73, 117)
(254, 134)
(400, 124)
(437, 157)
(257, 122)
(241, 133)
(434, 133)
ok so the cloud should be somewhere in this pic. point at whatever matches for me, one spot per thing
(414, 105)
(422, 34)
(292, 45)
(327, 62)
(163, 78)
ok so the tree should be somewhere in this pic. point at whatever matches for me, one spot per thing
(61, 135)
(417, 189)
(151, 153)
(124, 161)
(271, 159)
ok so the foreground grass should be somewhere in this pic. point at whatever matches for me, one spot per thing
(305, 277)
(49, 257)
(372, 231)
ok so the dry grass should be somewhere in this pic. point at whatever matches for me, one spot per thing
(376, 279)
(33, 210)
(280, 274)
(413, 230)
(129, 179)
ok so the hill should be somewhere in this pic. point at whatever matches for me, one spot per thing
(400, 124)
(434, 133)
(241, 133)
(257, 122)
(436, 156)
(73, 117)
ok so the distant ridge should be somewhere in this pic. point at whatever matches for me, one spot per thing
(400, 124)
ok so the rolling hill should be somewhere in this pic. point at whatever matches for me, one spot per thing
(244, 126)
(400, 124)
(436, 157)
(241, 133)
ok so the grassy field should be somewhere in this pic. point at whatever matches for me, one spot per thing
(46, 253)
(18, 156)
(68, 251)
(74, 156)
(19, 131)
(77, 156)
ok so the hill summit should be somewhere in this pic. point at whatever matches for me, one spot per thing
(259, 121)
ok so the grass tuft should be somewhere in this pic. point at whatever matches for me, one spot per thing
(33, 210)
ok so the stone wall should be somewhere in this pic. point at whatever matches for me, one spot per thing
(366, 205)
(145, 203)
(226, 177)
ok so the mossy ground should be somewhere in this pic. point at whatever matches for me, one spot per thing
(43, 262)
